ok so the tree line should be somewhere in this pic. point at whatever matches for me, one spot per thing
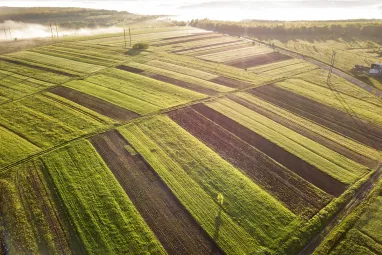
(356, 28)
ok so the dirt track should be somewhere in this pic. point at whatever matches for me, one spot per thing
(357, 199)
(172, 224)
(225, 81)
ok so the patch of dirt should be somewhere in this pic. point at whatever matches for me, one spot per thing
(307, 133)
(203, 46)
(189, 40)
(285, 158)
(232, 83)
(327, 116)
(257, 60)
(130, 69)
(295, 193)
(171, 223)
(94, 103)
(182, 84)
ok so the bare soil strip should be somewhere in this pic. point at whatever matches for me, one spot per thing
(204, 46)
(182, 84)
(327, 116)
(174, 227)
(46, 69)
(189, 40)
(257, 60)
(307, 133)
(231, 82)
(185, 36)
(310, 173)
(96, 104)
(295, 193)
(130, 69)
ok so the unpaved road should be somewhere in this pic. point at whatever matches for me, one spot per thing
(360, 196)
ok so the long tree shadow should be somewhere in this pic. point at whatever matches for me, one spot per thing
(218, 222)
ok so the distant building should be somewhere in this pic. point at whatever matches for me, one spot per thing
(376, 69)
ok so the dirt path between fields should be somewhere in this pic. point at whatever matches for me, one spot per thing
(357, 199)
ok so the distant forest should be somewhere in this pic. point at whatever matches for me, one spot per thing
(351, 28)
(70, 17)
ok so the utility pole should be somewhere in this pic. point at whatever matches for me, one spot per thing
(5, 32)
(10, 35)
(130, 36)
(56, 29)
(124, 36)
(51, 30)
(331, 66)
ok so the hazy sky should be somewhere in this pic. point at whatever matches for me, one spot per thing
(230, 10)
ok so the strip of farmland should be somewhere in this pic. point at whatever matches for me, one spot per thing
(232, 83)
(101, 213)
(185, 36)
(296, 193)
(306, 132)
(204, 46)
(257, 60)
(189, 40)
(96, 104)
(289, 160)
(168, 219)
(322, 114)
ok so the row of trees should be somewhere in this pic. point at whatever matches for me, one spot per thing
(276, 28)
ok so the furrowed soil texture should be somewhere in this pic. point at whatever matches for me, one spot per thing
(321, 114)
(96, 104)
(297, 194)
(257, 60)
(280, 155)
(172, 224)
(103, 216)
(190, 165)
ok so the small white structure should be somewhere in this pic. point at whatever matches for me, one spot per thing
(376, 69)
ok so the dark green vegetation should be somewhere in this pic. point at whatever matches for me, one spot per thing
(201, 144)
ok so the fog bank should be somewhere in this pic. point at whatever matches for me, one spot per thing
(9, 30)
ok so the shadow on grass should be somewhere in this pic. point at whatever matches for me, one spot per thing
(218, 222)
(133, 52)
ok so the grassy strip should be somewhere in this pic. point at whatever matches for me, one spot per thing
(103, 215)
(183, 70)
(225, 56)
(66, 64)
(194, 80)
(232, 238)
(44, 122)
(33, 72)
(288, 71)
(14, 147)
(351, 144)
(328, 161)
(323, 95)
(242, 198)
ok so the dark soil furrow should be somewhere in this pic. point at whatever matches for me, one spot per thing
(257, 60)
(307, 133)
(189, 40)
(327, 116)
(185, 36)
(296, 193)
(203, 46)
(182, 84)
(231, 82)
(94, 103)
(173, 225)
(130, 69)
(285, 158)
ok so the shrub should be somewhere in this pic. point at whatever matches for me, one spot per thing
(141, 46)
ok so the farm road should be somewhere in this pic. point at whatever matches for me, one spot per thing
(357, 199)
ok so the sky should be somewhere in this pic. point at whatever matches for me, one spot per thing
(228, 9)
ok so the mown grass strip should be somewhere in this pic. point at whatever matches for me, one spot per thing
(330, 162)
(102, 214)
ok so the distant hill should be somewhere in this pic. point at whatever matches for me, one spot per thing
(70, 17)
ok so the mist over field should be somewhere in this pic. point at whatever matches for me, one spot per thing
(232, 10)
(11, 29)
